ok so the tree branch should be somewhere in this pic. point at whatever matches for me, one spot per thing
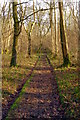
(20, 3)
(74, 17)
(46, 2)
(47, 31)
(36, 12)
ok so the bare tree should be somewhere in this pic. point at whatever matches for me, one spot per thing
(3, 27)
(51, 25)
(17, 30)
(29, 31)
(66, 60)
(55, 31)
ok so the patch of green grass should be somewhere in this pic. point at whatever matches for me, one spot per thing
(17, 101)
(68, 87)
(12, 77)
(69, 92)
(15, 105)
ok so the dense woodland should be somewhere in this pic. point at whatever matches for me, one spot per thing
(32, 29)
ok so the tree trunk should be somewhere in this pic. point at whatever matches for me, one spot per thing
(29, 33)
(55, 31)
(9, 27)
(65, 19)
(3, 29)
(66, 60)
(58, 37)
(51, 25)
(34, 10)
(79, 40)
(16, 34)
(39, 24)
(29, 44)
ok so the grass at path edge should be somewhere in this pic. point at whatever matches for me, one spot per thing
(16, 103)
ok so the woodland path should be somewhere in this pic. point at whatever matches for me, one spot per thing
(41, 98)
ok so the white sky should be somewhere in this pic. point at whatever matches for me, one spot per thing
(2, 1)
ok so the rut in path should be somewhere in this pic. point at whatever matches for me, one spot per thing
(41, 99)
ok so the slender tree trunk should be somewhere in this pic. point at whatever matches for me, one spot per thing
(29, 44)
(76, 7)
(34, 10)
(3, 28)
(70, 20)
(8, 42)
(29, 37)
(58, 37)
(39, 24)
(55, 31)
(51, 25)
(15, 39)
(79, 40)
(9, 27)
(65, 19)
(66, 60)
(29, 33)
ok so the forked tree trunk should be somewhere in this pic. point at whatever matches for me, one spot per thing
(66, 60)
(15, 39)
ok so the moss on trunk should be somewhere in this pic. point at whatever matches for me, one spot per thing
(16, 34)
(66, 60)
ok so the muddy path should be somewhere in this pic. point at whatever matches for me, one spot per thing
(41, 98)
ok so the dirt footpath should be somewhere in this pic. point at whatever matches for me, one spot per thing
(40, 99)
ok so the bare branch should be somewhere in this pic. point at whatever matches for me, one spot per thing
(47, 31)
(74, 17)
(21, 3)
(46, 3)
(36, 12)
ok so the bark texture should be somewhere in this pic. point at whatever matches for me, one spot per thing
(16, 34)
(51, 26)
(66, 60)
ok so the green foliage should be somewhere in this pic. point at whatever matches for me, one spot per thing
(68, 87)
(13, 77)
(69, 92)
(15, 105)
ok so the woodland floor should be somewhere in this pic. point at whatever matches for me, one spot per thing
(40, 99)
(40, 96)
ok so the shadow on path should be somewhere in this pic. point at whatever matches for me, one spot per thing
(41, 98)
